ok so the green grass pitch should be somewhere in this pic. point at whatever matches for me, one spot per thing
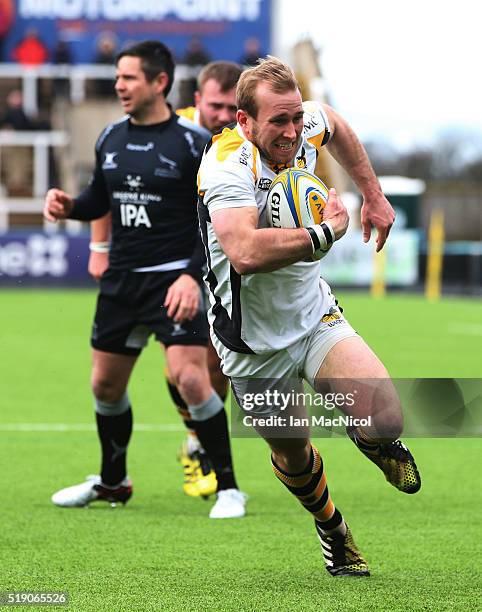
(161, 552)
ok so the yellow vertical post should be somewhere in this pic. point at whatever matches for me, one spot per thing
(379, 281)
(436, 241)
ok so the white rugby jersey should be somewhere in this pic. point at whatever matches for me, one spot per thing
(263, 312)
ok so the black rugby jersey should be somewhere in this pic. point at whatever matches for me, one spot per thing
(146, 175)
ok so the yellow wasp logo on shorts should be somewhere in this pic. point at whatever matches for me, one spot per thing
(332, 315)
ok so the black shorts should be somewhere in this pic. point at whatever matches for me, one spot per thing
(130, 307)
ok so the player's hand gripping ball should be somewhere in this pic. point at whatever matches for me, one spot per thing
(297, 198)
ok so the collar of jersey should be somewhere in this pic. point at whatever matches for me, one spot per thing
(276, 168)
(152, 126)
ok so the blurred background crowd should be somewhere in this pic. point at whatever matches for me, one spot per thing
(56, 94)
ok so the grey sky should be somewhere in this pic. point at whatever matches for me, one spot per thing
(404, 70)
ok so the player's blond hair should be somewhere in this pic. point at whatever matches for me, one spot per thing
(278, 75)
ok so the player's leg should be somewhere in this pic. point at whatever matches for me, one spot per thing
(187, 365)
(220, 384)
(199, 476)
(110, 376)
(186, 360)
(191, 444)
(219, 381)
(298, 465)
(350, 364)
(117, 340)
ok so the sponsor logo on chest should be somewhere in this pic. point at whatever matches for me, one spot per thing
(133, 204)
(264, 184)
(140, 147)
(167, 167)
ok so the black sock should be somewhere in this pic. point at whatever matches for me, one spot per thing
(180, 405)
(214, 437)
(114, 434)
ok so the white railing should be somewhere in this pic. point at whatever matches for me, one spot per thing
(76, 74)
(22, 206)
(40, 142)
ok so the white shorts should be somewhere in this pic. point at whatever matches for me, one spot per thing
(283, 370)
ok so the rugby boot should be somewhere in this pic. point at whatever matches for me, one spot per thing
(395, 461)
(342, 557)
(230, 503)
(92, 490)
(199, 476)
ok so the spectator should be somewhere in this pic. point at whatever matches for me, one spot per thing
(14, 117)
(18, 159)
(62, 53)
(196, 55)
(31, 50)
(252, 52)
(105, 55)
(62, 56)
(106, 49)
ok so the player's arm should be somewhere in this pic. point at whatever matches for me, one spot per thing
(197, 261)
(251, 249)
(58, 205)
(92, 203)
(100, 231)
(86, 207)
(183, 296)
(349, 152)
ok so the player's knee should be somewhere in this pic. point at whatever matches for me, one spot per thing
(106, 389)
(191, 380)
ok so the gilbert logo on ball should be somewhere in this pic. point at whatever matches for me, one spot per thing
(296, 198)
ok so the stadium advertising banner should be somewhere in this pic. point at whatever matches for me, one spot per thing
(220, 26)
(351, 261)
(38, 258)
(43, 259)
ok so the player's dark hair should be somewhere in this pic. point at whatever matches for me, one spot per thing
(155, 58)
(226, 74)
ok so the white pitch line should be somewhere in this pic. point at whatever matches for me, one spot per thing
(66, 427)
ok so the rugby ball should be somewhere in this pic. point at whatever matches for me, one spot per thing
(296, 198)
